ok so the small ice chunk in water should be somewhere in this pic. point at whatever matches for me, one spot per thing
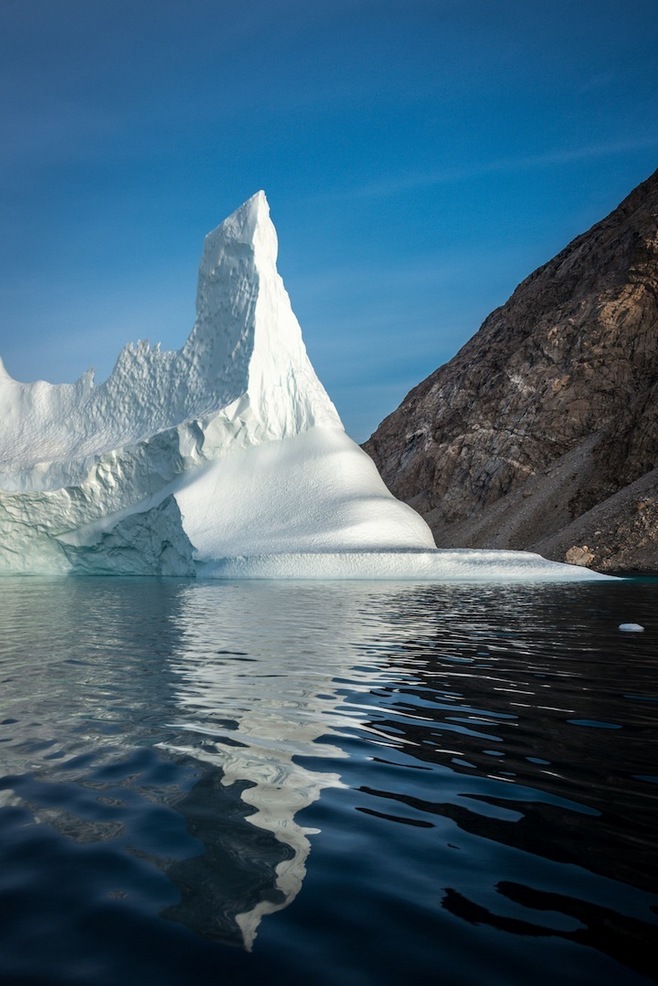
(631, 627)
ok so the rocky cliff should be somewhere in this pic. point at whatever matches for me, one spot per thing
(542, 432)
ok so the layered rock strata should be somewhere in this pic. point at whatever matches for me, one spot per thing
(542, 432)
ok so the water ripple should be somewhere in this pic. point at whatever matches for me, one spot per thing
(392, 775)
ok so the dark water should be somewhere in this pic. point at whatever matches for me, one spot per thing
(359, 782)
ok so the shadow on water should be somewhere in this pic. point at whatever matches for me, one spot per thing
(474, 768)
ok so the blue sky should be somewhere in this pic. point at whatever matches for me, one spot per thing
(420, 157)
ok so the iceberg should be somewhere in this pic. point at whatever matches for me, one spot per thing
(224, 459)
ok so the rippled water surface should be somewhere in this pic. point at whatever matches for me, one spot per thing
(324, 783)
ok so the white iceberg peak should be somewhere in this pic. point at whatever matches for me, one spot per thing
(246, 347)
(245, 324)
(242, 225)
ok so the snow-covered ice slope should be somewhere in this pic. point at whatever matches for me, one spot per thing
(225, 458)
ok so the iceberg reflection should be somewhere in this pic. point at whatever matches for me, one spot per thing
(254, 712)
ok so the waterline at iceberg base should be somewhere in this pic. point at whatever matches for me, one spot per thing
(440, 565)
(225, 459)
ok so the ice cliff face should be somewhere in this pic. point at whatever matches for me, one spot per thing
(92, 478)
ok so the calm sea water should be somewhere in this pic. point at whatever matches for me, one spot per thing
(324, 783)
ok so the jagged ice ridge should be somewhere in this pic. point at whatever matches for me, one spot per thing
(224, 459)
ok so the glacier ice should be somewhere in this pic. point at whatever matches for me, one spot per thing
(225, 459)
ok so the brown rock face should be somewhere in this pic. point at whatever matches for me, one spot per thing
(549, 410)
